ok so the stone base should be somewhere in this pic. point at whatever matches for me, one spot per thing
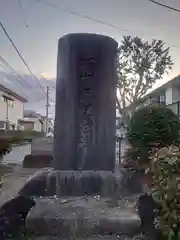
(81, 217)
(84, 183)
(49, 182)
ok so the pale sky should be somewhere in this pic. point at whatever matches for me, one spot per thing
(46, 24)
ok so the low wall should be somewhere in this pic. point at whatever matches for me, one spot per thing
(42, 146)
(37, 161)
(21, 134)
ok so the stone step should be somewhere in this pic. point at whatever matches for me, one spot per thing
(81, 217)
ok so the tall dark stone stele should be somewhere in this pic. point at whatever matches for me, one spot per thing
(84, 134)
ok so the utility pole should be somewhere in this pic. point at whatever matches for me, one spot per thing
(7, 115)
(7, 100)
(47, 109)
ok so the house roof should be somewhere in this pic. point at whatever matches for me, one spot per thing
(21, 121)
(12, 93)
(30, 120)
(173, 82)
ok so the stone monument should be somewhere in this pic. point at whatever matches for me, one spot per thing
(84, 147)
(84, 134)
(85, 119)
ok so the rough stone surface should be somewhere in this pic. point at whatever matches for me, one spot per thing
(36, 185)
(50, 182)
(85, 216)
(84, 135)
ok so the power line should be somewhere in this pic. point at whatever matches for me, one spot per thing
(19, 54)
(93, 19)
(165, 6)
(47, 109)
(23, 60)
(83, 16)
(9, 69)
(6, 69)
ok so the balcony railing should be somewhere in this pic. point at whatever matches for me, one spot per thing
(175, 107)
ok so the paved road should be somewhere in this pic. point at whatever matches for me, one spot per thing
(17, 154)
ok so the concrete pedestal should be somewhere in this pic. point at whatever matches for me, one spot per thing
(50, 182)
(80, 217)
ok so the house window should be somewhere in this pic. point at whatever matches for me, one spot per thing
(162, 99)
(2, 125)
(9, 101)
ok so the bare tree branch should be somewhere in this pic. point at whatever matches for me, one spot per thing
(140, 64)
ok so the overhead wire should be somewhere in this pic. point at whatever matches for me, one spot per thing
(83, 16)
(6, 69)
(75, 13)
(23, 60)
(9, 69)
(19, 54)
(165, 6)
(12, 70)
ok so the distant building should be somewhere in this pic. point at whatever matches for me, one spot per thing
(31, 124)
(11, 108)
(32, 115)
(167, 95)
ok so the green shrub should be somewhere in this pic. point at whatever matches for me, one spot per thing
(153, 125)
(166, 190)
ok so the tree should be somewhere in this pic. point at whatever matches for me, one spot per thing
(139, 65)
(153, 125)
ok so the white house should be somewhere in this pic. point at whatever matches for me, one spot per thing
(11, 108)
(168, 95)
(30, 114)
(31, 124)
